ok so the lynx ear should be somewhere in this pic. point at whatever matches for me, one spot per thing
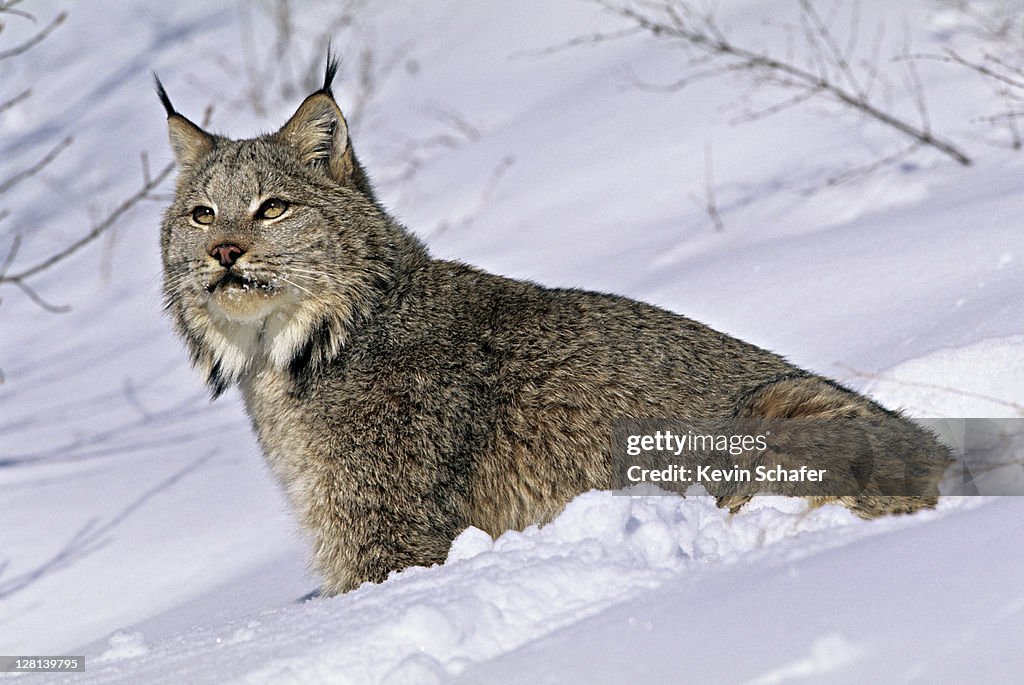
(318, 132)
(189, 142)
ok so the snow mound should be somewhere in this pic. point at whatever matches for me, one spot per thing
(982, 379)
(652, 532)
(124, 645)
(425, 625)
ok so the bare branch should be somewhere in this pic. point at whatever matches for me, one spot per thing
(410, 154)
(766, 112)
(19, 278)
(1007, 81)
(92, 536)
(11, 254)
(999, 61)
(497, 174)
(870, 66)
(8, 8)
(709, 204)
(37, 298)
(7, 104)
(817, 57)
(837, 55)
(854, 37)
(371, 76)
(455, 120)
(1016, 406)
(917, 88)
(708, 38)
(591, 39)
(868, 169)
(990, 21)
(147, 178)
(97, 230)
(684, 81)
(36, 39)
(1009, 120)
(949, 56)
(35, 168)
(271, 62)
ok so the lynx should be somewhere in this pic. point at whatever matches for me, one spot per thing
(401, 398)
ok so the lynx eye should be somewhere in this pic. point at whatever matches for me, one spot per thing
(271, 209)
(202, 215)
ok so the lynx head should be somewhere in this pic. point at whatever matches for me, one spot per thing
(274, 247)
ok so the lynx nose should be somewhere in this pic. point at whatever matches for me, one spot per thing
(226, 253)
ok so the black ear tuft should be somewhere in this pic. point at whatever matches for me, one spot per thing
(333, 61)
(162, 94)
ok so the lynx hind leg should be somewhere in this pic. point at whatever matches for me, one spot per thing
(865, 506)
(873, 506)
(877, 461)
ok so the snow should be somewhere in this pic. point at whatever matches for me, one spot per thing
(973, 381)
(139, 525)
(874, 609)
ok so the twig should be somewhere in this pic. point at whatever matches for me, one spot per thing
(456, 120)
(1007, 84)
(1017, 407)
(683, 82)
(117, 438)
(711, 40)
(993, 21)
(867, 169)
(486, 195)
(7, 104)
(39, 300)
(914, 85)
(371, 77)
(36, 39)
(414, 153)
(709, 204)
(91, 536)
(949, 56)
(270, 55)
(97, 230)
(870, 66)
(16, 244)
(1009, 118)
(11, 253)
(778, 107)
(149, 184)
(8, 8)
(37, 167)
(591, 39)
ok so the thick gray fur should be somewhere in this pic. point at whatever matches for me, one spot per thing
(400, 398)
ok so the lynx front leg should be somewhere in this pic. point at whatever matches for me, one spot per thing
(369, 525)
(364, 544)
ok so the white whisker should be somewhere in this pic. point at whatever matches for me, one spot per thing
(296, 285)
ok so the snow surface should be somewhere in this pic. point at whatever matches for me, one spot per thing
(139, 526)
